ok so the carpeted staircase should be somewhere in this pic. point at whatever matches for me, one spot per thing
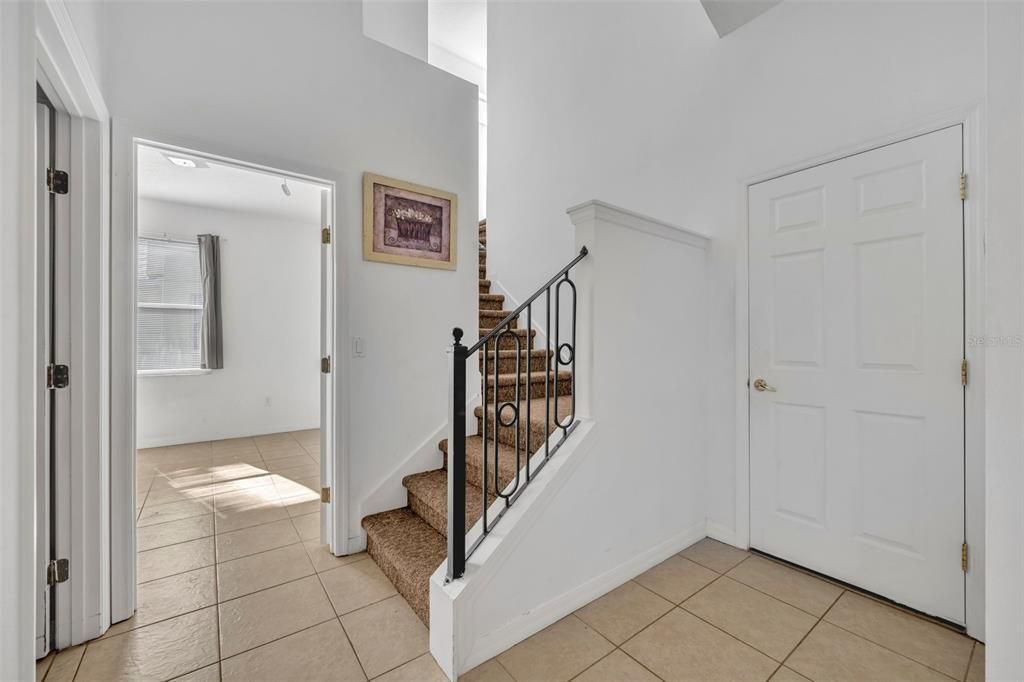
(409, 543)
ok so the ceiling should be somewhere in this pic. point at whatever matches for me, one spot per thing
(222, 186)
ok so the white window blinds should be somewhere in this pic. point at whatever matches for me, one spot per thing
(170, 305)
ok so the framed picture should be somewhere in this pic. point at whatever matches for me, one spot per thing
(408, 224)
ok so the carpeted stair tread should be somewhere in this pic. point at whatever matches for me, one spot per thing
(408, 551)
(539, 429)
(524, 340)
(491, 301)
(506, 458)
(485, 286)
(539, 360)
(492, 318)
(536, 377)
(428, 497)
(534, 388)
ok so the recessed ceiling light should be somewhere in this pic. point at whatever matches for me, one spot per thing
(181, 161)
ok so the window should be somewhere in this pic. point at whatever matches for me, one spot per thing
(170, 306)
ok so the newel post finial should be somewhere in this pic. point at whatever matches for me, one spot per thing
(457, 333)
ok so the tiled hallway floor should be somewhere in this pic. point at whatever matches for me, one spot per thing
(713, 612)
(234, 585)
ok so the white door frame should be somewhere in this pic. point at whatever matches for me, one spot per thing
(83, 532)
(972, 119)
(333, 460)
(37, 42)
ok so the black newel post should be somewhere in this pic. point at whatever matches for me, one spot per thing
(457, 461)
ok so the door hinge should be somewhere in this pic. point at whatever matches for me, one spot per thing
(325, 235)
(56, 181)
(57, 376)
(963, 186)
(325, 495)
(963, 557)
(963, 372)
(325, 365)
(58, 571)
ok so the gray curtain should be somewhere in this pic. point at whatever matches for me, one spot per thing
(212, 330)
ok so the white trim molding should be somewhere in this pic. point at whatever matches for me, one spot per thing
(595, 210)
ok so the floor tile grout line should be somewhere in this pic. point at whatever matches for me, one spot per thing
(78, 667)
(626, 653)
(716, 627)
(295, 580)
(808, 633)
(276, 639)
(778, 599)
(348, 639)
(882, 646)
(970, 660)
(861, 592)
(244, 556)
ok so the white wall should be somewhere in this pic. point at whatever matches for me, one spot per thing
(643, 105)
(270, 299)
(17, 342)
(401, 24)
(297, 86)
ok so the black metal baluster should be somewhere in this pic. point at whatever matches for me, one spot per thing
(547, 373)
(529, 385)
(483, 407)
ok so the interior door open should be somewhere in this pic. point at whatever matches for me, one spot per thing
(53, 437)
(856, 343)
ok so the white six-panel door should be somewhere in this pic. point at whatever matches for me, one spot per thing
(856, 329)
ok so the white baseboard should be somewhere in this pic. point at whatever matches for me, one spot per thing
(161, 441)
(717, 531)
(494, 643)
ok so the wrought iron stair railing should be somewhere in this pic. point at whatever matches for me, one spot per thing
(506, 413)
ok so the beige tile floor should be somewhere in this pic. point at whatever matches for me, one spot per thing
(713, 612)
(234, 585)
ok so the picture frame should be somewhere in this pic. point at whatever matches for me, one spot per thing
(408, 224)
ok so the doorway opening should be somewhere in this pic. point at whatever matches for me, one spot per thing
(234, 326)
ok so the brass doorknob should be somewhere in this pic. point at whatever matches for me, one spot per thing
(762, 385)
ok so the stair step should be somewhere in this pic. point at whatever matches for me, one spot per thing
(485, 286)
(483, 271)
(537, 387)
(507, 343)
(408, 550)
(538, 428)
(505, 458)
(482, 257)
(428, 497)
(483, 237)
(491, 301)
(539, 360)
(491, 318)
